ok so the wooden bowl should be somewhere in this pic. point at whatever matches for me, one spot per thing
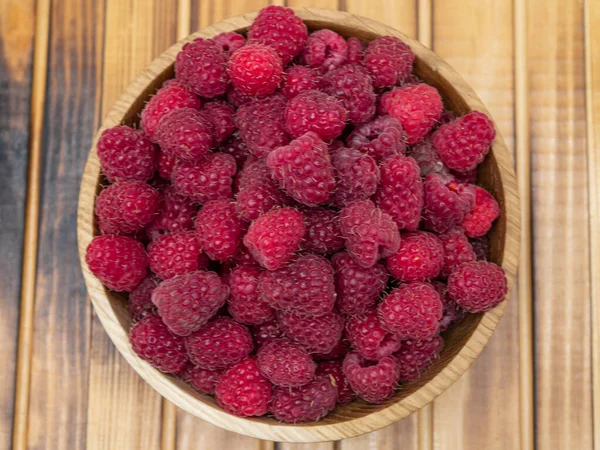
(463, 342)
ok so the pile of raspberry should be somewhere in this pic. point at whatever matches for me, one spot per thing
(296, 220)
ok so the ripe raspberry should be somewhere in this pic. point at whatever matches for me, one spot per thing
(338, 352)
(316, 334)
(280, 29)
(140, 299)
(245, 303)
(303, 169)
(370, 233)
(451, 313)
(219, 344)
(368, 338)
(222, 117)
(259, 198)
(275, 236)
(230, 41)
(254, 171)
(119, 262)
(446, 202)
(481, 247)
(218, 230)
(325, 50)
(411, 311)
(419, 258)
(388, 60)
(206, 180)
(202, 65)
(285, 364)
(374, 382)
(185, 133)
(243, 257)
(236, 98)
(315, 111)
(356, 49)
(415, 356)
(152, 341)
(357, 288)
(322, 231)
(485, 210)
(266, 331)
(477, 286)
(309, 402)
(126, 207)
(416, 106)
(203, 380)
(400, 193)
(380, 138)
(175, 254)
(165, 164)
(244, 391)
(177, 213)
(356, 174)
(297, 79)
(186, 302)
(236, 147)
(352, 85)
(126, 154)
(457, 250)
(463, 143)
(427, 158)
(255, 70)
(333, 370)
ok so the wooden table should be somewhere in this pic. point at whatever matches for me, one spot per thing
(535, 63)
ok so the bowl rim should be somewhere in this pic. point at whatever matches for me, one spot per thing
(174, 390)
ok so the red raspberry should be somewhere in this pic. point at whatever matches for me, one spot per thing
(352, 85)
(281, 29)
(485, 210)
(452, 313)
(412, 311)
(274, 237)
(245, 304)
(244, 391)
(325, 50)
(266, 331)
(254, 171)
(477, 286)
(177, 213)
(380, 138)
(416, 106)
(316, 334)
(236, 147)
(388, 60)
(285, 364)
(374, 382)
(457, 250)
(481, 247)
(368, 338)
(222, 117)
(236, 98)
(427, 158)
(119, 262)
(315, 111)
(336, 145)
(419, 258)
(152, 341)
(126, 207)
(202, 65)
(186, 302)
(356, 174)
(126, 154)
(230, 41)
(333, 370)
(172, 95)
(463, 143)
(203, 380)
(322, 231)
(465, 177)
(243, 257)
(309, 402)
(400, 193)
(140, 299)
(415, 356)
(218, 230)
(338, 352)
(297, 79)
(370, 233)
(356, 49)
(185, 133)
(206, 180)
(165, 164)
(446, 202)
(175, 254)
(303, 169)
(357, 288)
(255, 70)
(259, 198)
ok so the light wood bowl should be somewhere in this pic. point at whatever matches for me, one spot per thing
(464, 342)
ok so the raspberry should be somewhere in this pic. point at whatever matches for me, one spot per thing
(266, 331)
(481, 247)
(218, 230)
(152, 341)
(126, 154)
(172, 95)
(315, 111)
(297, 79)
(281, 29)
(356, 49)
(445, 202)
(485, 210)
(245, 304)
(427, 158)
(388, 60)
(333, 370)
(368, 337)
(243, 257)
(221, 115)
(236, 147)
(219, 344)
(309, 402)
(352, 85)
(463, 143)
(177, 213)
(203, 380)
(451, 313)
(414, 356)
(338, 352)
(254, 171)
(357, 288)
(126, 207)
(477, 286)
(416, 106)
(140, 299)
(322, 231)
(230, 41)
(206, 180)
(175, 254)
(185, 133)
(236, 98)
(400, 193)
(305, 286)
(325, 50)
(244, 391)
(380, 138)
(285, 364)
(370, 233)
(202, 65)
(411, 311)
(258, 199)
(465, 177)
(419, 258)
(316, 334)
(165, 164)
(457, 250)
(374, 382)
(119, 262)
(275, 236)
(303, 169)
(255, 70)
(186, 302)
(356, 175)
